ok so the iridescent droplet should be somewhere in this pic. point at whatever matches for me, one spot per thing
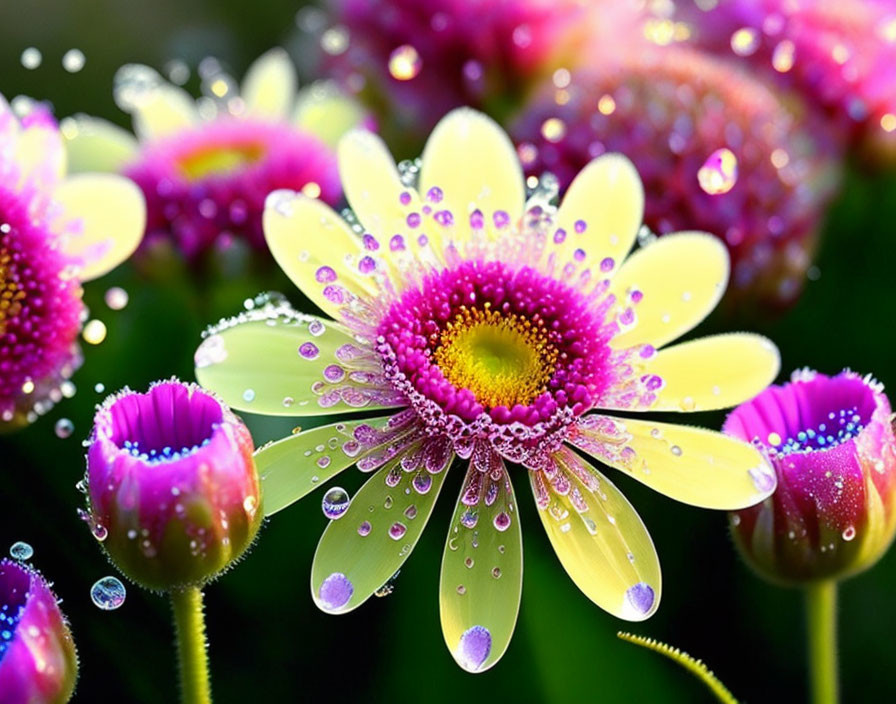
(21, 551)
(64, 428)
(108, 593)
(397, 530)
(116, 298)
(849, 533)
(335, 503)
(73, 60)
(719, 172)
(364, 529)
(31, 58)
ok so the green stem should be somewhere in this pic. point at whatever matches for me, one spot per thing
(189, 623)
(821, 612)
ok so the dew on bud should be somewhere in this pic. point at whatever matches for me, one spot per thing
(21, 551)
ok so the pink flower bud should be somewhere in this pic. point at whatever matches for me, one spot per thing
(831, 442)
(173, 491)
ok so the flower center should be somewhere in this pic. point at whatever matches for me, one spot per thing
(504, 360)
(10, 294)
(15, 584)
(223, 159)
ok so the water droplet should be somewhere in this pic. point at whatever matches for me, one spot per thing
(501, 521)
(335, 591)
(21, 551)
(108, 593)
(335, 503)
(553, 129)
(397, 530)
(675, 450)
(99, 387)
(94, 332)
(73, 60)
(469, 562)
(496, 572)
(745, 41)
(640, 598)
(461, 589)
(64, 428)
(99, 532)
(849, 533)
(31, 58)
(364, 529)
(116, 298)
(405, 63)
(719, 172)
(474, 647)
(249, 395)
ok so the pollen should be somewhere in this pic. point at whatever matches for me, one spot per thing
(503, 359)
(10, 293)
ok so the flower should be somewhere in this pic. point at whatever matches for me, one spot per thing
(38, 663)
(489, 330)
(172, 487)
(205, 167)
(675, 112)
(840, 56)
(417, 60)
(56, 231)
(831, 442)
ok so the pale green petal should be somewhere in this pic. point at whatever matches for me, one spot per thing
(277, 362)
(296, 465)
(599, 538)
(362, 550)
(326, 112)
(692, 465)
(269, 87)
(94, 144)
(482, 572)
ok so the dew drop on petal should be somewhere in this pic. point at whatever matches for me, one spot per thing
(308, 350)
(364, 529)
(397, 530)
(21, 551)
(335, 591)
(335, 503)
(719, 172)
(474, 647)
(501, 521)
(64, 428)
(405, 63)
(249, 395)
(108, 593)
(849, 533)
(640, 598)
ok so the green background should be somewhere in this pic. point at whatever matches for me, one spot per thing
(269, 642)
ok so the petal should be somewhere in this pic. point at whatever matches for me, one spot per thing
(607, 200)
(296, 465)
(163, 110)
(269, 87)
(326, 112)
(362, 550)
(681, 276)
(286, 364)
(39, 150)
(112, 214)
(372, 184)
(482, 571)
(714, 372)
(599, 538)
(692, 465)
(310, 242)
(473, 161)
(94, 144)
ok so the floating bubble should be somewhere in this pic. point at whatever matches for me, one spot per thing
(116, 298)
(21, 551)
(31, 58)
(553, 129)
(64, 428)
(334, 41)
(335, 503)
(94, 332)
(405, 63)
(73, 60)
(719, 172)
(108, 593)
(745, 41)
(99, 387)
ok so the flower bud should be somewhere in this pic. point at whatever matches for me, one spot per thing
(173, 491)
(831, 442)
(38, 663)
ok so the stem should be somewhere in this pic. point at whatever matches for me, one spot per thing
(821, 613)
(189, 624)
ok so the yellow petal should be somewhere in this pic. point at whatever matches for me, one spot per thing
(94, 144)
(112, 212)
(692, 465)
(163, 110)
(599, 538)
(372, 185)
(269, 87)
(326, 112)
(473, 161)
(714, 372)
(607, 198)
(40, 153)
(682, 276)
(306, 236)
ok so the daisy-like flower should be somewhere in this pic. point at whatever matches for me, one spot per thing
(717, 149)
(205, 167)
(841, 56)
(495, 332)
(56, 231)
(831, 442)
(38, 663)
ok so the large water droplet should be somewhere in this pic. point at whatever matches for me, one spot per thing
(640, 598)
(64, 428)
(719, 172)
(335, 503)
(474, 647)
(108, 593)
(335, 591)
(73, 60)
(21, 551)
(397, 530)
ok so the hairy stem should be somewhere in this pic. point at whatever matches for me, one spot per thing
(189, 624)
